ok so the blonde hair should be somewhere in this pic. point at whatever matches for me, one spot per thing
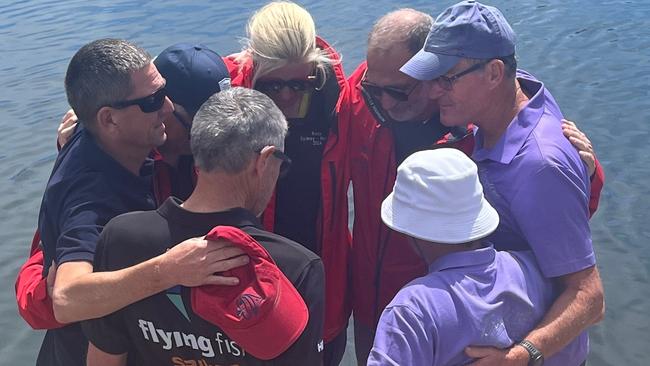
(280, 33)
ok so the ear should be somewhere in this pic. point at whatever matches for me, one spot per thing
(104, 119)
(495, 72)
(263, 160)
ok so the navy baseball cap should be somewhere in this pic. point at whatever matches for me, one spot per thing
(193, 73)
(467, 29)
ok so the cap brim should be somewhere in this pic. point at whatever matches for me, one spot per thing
(445, 229)
(282, 326)
(428, 66)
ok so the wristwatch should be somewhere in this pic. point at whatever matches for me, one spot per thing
(535, 357)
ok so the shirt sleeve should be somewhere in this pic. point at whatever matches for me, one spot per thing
(83, 216)
(308, 348)
(558, 233)
(401, 339)
(106, 333)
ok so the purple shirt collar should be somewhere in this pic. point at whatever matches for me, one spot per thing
(465, 258)
(521, 126)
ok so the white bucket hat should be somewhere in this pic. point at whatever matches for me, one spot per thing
(437, 197)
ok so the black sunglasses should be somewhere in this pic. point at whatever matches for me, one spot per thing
(148, 104)
(286, 162)
(447, 82)
(376, 91)
(295, 85)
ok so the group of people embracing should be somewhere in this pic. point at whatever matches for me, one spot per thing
(197, 212)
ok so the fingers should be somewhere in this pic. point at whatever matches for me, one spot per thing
(221, 280)
(477, 352)
(224, 265)
(581, 145)
(589, 160)
(566, 122)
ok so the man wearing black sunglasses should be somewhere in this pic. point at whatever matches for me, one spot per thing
(392, 117)
(103, 171)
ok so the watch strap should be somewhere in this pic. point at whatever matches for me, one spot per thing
(535, 357)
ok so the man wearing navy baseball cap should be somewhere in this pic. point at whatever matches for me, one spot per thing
(193, 73)
(532, 175)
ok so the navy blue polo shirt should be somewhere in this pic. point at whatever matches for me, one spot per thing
(87, 188)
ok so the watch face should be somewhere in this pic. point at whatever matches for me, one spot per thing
(536, 361)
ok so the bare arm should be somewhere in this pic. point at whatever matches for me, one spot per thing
(97, 357)
(80, 294)
(580, 305)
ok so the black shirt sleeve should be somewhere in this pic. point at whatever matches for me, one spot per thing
(106, 333)
(308, 348)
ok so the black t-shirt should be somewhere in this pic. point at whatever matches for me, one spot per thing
(162, 329)
(87, 188)
(416, 136)
(298, 194)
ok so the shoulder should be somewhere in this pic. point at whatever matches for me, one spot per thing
(292, 258)
(427, 297)
(132, 238)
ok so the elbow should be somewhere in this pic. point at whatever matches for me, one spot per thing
(599, 301)
(61, 308)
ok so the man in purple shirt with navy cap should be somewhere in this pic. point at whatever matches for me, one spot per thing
(472, 294)
(531, 175)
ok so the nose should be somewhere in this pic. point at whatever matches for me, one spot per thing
(387, 102)
(168, 107)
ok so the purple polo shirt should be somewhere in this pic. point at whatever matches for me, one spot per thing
(478, 297)
(535, 179)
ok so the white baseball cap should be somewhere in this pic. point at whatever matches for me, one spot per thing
(437, 197)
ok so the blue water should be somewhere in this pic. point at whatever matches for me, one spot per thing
(594, 57)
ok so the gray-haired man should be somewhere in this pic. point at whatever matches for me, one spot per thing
(237, 140)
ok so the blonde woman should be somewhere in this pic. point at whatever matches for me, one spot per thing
(285, 59)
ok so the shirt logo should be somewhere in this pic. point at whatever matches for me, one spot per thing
(248, 306)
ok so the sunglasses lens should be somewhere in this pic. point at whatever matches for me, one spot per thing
(396, 94)
(153, 102)
(268, 86)
(377, 92)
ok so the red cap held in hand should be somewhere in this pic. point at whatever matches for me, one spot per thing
(264, 313)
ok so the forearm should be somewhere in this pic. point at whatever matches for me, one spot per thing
(95, 294)
(580, 305)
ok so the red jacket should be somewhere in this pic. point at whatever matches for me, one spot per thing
(34, 304)
(333, 236)
(383, 260)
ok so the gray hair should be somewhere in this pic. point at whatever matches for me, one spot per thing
(232, 126)
(407, 26)
(100, 74)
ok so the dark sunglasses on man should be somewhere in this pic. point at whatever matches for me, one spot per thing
(285, 160)
(150, 103)
(376, 91)
(273, 86)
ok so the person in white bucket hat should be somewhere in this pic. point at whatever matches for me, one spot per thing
(473, 294)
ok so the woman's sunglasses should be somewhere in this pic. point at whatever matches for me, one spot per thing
(295, 85)
(148, 104)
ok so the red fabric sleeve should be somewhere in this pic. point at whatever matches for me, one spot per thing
(597, 183)
(34, 305)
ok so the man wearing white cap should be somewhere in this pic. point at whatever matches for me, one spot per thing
(531, 175)
(473, 294)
